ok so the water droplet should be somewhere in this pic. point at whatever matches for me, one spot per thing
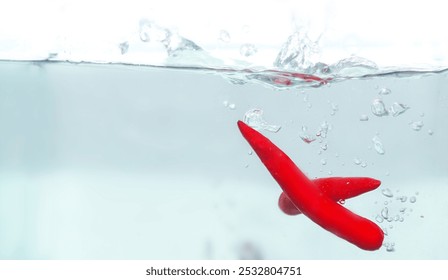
(364, 118)
(384, 91)
(390, 219)
(378, 108)
(324, 147)
(402, 210)
(250, 153)
(385, 213)
(149, 31)
(396, 218)
(248, 50)
(397, 109)
(296, 53)
(357, 161)
(254, 119)
(387, 192)
(417, 125)
(412, 199)
(430, 132)
(402, 198)
(224, 36)
(124, 47)
(330, 172)
(378, 145)
(379, 219)
(323, 161)
(232, 106)
(341, 201)
(363, 164)
(385, 231)
(309, 105)
(225, 103)
(401, 219)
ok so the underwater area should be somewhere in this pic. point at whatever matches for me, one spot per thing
(132, 151)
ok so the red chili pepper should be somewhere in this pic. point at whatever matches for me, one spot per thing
(336, 188)
(309, 199)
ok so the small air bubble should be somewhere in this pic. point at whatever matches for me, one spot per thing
(378, 108)
(250, 153)
(430, 132)
(364, 164)
(378, 145)
(323, 161)
(384, 91)
(232, 106)
(390, 247)
(385, 213)
(387, 192)
(225, 103)
(416, 125)
(412, 199)
(364, 118)
(379, 219)
(397, 109)
(357, 161)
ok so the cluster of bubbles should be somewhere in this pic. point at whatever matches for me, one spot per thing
(378, 107)
(389, 214)
(254, 118)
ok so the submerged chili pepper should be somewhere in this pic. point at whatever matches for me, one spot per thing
(336, 188)
(311, 200)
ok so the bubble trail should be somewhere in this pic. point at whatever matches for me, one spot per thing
(309, 199)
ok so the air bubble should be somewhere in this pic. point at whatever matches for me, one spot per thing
(385, 213)
(357, 161)
(364, 164)
(397, 109)
(384, 91)
(364, 118)
(378, 108)
(248, 50)
(254, 119)
(402, 198)
(387, 192)
(323, 161)
(307, 138)
(379, 219)
(390, 247)
(412, 199)
(430, 132)
(378, 145)
(232, 106)
(417, 125)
